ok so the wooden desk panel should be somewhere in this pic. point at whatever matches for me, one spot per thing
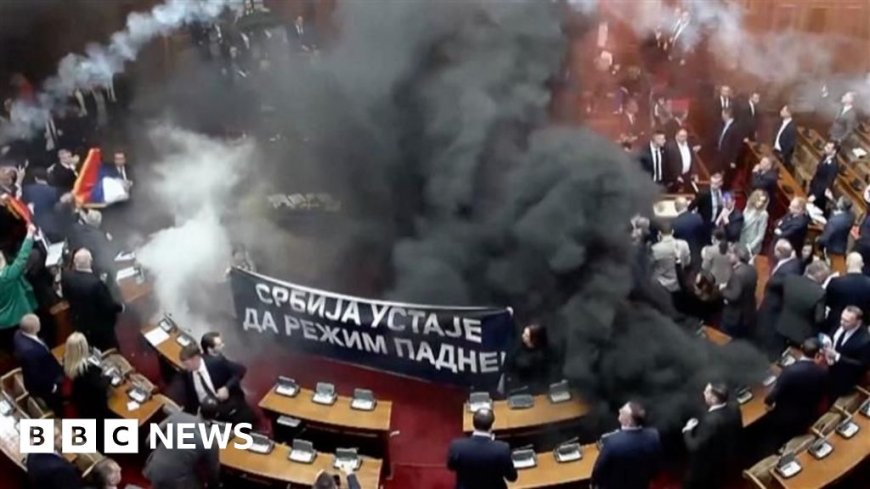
(540, 415)
(275, 466)
(847, 455)
(131, 291)
(549, 472)
(339, 414)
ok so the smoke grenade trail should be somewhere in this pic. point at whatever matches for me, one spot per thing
(196, 180)
(101, 62)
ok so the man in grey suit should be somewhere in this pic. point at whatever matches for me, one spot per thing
(172, 468)
(846, 121)
(666, 255)
(738, 315)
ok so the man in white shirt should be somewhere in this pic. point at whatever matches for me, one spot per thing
(214, 380)
(681, 160)
(846, 121)
(784, 138)
(849, 353)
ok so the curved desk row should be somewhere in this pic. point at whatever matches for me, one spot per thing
(549, 473)
(275, 466)
(542, 415)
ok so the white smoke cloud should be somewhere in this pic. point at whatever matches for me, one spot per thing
(101, 62)
(195, 181)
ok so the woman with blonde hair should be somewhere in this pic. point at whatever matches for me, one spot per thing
(90, 392)
(755, 221)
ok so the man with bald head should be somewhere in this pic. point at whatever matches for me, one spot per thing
(480, 461)
(94, 311)
(849, 289)
(785, 263)
(42, 373)
(689, 227)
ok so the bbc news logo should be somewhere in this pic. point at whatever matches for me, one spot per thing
(122, 435)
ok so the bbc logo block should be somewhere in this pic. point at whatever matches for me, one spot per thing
(78, 436)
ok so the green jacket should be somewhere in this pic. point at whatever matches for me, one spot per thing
(16, 295)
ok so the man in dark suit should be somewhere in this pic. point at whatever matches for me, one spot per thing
(652, 158)
(681, 161)
(727, 144)
(301, 35)
(764, 177)
(730, 220)
(171, 468)
(834, 239)
(738, 315)
(824, 177)
(480, 461)
(51, 470)
(52, 210)
(709, 203)
(712, 440)
(797, 394)
(93, 309)
(629, 457)
(748, 116)
(846, 121)
(794, 225)
(849, 353)
(850, 289)
(785, 137)
(87, 233)
(689, 227)
(62, 175)
(631, 128)
(43, 375)
(214, 380)
(786, 264)
(803, 304)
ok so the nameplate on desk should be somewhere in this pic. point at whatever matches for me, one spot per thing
(288, 421)
(847, 428)
(166, 324)
(559, 392)
(820, 449)
(789, 469)
(524, 458)
(363, 404)
(744, 396)
(769, 381)
(478, 401)
(568, 452)
(138, 395)
(261, 444)
(286, 387)
(347, 458)
(521, 401)
(786, 359)
(184, 340)
(302, 451)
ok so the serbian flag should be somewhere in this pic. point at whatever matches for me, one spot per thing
(17, 208)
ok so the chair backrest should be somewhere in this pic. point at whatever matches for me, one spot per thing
(36, 409)
(13, 384)
(825, 425)
(798, 444)
(849, 403)
(85, 463)
(760, 474)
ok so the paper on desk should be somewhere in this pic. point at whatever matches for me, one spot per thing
(156, 336)
(125, 256)
(125, 273)
(132, 405)
(859, 152)
(55, 255)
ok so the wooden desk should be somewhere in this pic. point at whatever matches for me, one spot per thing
(118, 398)
(847, 455)
(541, 415)
(276, 467)
(339, 416)
(168, 349)
(549, 472)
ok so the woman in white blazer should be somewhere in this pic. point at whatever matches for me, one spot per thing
(754, 221)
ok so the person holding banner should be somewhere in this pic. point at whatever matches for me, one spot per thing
(530, 363)
(16, 295)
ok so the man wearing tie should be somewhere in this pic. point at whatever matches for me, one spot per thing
(629, 457)
(214, 379)
(709, 202)
(824, 177)
(748, 117)
(849, 355)
(681, 160)
(784, 140)
(724, 100)
(652, 158)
